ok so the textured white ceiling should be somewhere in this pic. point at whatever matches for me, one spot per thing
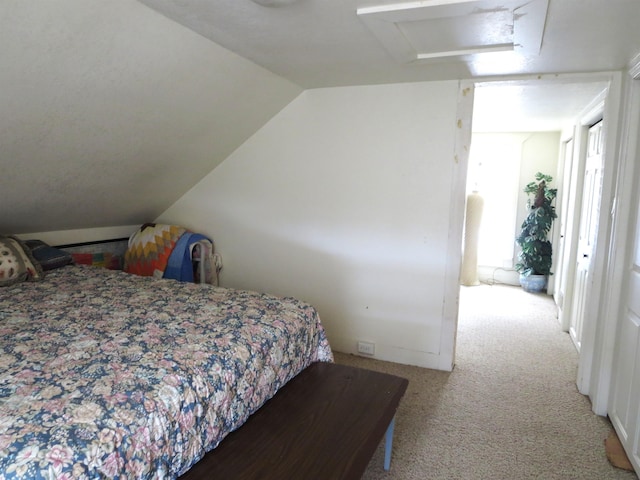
(321, 43)
(324, 43)
(531, 106)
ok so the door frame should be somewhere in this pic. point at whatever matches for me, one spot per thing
(574, 202)
(595, 360)
(596, 373)
(561, 285)
(623, 411)
(592, 114)
(591, 341)
(460, 154)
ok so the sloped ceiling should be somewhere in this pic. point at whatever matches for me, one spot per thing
(110, 112)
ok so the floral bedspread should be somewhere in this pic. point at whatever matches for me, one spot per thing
(109, 375)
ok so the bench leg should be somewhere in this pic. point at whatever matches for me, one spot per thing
(388, 443)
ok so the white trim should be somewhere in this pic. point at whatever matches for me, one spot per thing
(565, 283)
(460, 159)
(545, 79)
(593, 112)
(634, 68)
(622, 221)
(398, 7)
(554, 286)
(504, 47)
(589, 372)
(573, 211)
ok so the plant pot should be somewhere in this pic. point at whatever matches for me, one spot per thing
(533, 283)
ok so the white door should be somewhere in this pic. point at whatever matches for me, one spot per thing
(588, 229)
(560, 291)
(625, 403)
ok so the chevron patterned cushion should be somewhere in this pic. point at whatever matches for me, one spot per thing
(149, 249)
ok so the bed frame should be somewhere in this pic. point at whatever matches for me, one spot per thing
(325, 423)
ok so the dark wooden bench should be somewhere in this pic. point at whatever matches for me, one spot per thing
(326, 423)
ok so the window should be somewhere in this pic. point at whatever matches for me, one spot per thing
(494, 169)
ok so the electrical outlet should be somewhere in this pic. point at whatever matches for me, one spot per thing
(367, 348)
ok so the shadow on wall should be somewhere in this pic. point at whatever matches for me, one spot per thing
(360, 293)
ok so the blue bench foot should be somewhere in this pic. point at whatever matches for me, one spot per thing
(388, 443)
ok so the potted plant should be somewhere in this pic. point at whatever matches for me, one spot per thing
(535, 255)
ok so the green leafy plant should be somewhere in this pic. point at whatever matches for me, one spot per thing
(535, 257)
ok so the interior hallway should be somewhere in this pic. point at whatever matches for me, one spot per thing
(509, 410)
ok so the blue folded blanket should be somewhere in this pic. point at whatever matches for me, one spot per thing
(179, 265)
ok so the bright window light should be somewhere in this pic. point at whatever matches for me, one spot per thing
(494, 169)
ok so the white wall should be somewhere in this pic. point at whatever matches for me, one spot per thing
(343, 200)
(539, 154)
(110, 112)
(534, 152)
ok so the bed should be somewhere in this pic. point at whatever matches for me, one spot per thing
(104, 374)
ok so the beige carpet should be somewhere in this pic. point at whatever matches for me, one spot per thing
(509, 410)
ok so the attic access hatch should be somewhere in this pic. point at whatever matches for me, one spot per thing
(422, 31)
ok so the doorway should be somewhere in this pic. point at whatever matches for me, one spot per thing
(501, 164)
(518, 129)
(529, 106)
